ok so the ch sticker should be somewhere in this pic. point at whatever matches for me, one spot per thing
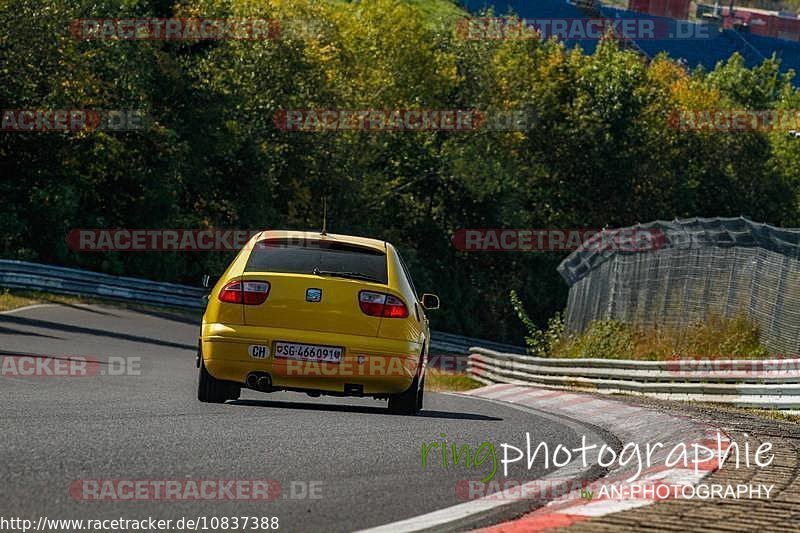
(258, 351)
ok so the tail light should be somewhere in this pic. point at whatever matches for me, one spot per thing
(383, 305)
(247, 292)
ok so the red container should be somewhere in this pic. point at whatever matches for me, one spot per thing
(786, 28)
(658, 7)
(640, 6)
(677, 9)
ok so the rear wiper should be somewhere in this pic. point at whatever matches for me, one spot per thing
(350, 275)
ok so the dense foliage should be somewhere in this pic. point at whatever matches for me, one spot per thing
(600, 153)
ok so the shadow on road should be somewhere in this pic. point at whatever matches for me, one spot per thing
(80, 307)
(173, 317)
(46, 324)
(108, 309)
(12, 331)
(359, 409)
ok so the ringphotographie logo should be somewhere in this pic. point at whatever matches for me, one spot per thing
(608, 488)
(636, 458)
(175, 29)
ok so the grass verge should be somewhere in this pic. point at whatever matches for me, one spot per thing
(713, 338)
(771, 414)
(449, 382)
(14, 299)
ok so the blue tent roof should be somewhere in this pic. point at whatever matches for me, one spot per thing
(719, 45)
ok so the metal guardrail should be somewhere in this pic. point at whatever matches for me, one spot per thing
(456, 344)
(61, 280)
(769, 384)
(33, 276)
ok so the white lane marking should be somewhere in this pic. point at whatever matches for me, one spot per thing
(603, 507)
(488, 503)
(25, 308)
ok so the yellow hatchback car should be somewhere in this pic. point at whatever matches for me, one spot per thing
(316, 313)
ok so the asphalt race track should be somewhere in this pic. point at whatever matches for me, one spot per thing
(364, 464)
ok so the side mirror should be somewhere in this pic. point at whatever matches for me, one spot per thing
(430, 301)
(209, 281)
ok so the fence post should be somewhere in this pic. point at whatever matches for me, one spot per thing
(731, 285)
(777, 306)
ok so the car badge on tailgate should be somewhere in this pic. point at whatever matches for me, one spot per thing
(314, 295)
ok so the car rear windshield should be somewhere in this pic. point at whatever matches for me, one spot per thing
(308, 256)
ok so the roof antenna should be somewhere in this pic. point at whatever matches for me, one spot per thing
(324, 216)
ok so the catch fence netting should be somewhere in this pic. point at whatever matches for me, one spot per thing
(677, 273)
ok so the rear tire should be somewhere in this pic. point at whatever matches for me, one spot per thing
(213, 390)
(408, 402)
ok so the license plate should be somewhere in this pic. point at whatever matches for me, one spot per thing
(308, 352)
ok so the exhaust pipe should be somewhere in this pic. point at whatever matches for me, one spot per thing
(259, 381)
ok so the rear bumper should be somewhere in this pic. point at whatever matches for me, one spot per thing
(380, 366)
